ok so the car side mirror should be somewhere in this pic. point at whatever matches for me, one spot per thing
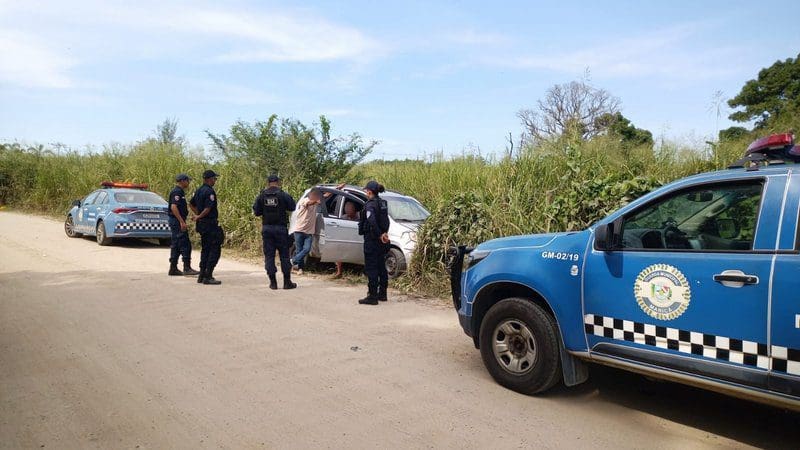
(607, 237)
(76, 203)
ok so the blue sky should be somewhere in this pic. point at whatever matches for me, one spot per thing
(420, 77)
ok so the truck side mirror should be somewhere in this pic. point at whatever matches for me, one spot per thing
(607, 236)
(76, 203)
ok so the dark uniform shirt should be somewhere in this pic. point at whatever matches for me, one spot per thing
(178, 197)
(272, 204)
(374, 220)
(206, 197)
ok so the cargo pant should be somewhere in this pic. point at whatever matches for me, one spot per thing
(180, 244)
(211, 238)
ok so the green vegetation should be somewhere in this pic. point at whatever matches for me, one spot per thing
(569, 172)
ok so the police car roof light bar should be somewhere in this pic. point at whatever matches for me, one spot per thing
(114, 184)
(769, 150)
(774, 142)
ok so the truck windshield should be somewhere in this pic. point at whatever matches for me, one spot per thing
(406, 210)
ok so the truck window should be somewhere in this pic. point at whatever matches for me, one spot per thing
(707, 217)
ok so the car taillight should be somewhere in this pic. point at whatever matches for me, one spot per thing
(123, 210)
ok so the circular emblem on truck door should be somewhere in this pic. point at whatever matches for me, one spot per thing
(662, 291)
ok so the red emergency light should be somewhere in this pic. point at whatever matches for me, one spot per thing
(774, 142)
(114, 184)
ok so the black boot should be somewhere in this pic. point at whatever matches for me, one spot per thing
(371, 298)
(287, 281)
(173, 270)
(368, 300)
(210, 278)
(382, 295)
(273, 281)
(201, 277)
(187, 269)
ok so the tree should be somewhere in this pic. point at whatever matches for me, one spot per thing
(568, 109)
(286, 146)
(775, 91)
(619, 127)
(732, 133)
(167, 133)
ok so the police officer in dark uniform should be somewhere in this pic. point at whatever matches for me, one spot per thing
(204, 205)
(374, 226)
(180, 244)
(271, 205)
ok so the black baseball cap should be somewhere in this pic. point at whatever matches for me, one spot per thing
(373, 186)
(273, 178)
(182, 177)
(210, 174)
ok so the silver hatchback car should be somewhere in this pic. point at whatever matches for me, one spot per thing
(337, 239)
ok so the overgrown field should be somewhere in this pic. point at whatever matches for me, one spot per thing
(555, 186)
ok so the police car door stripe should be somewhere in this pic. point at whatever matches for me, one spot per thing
(723, 348)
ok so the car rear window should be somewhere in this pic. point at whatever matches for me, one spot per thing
(139, 198)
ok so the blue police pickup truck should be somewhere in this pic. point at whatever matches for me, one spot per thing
(697, 282)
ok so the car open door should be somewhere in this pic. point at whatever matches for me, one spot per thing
(339, 239)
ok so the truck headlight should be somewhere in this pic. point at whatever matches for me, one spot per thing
(475, 257)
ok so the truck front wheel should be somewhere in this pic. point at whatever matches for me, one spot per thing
(519, 346)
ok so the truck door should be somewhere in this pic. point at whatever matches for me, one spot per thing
(785, 307)
(688, 287)
(339, 239)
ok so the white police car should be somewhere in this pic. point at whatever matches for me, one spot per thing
(119, 210)
(337, 239)
(696, 282)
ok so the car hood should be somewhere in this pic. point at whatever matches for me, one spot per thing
(528, 240)
(410, 226)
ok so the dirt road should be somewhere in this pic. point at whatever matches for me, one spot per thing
(100, 349)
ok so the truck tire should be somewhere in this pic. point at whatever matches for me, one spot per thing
(519, 346)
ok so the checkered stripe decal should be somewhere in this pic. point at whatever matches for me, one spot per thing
(748, 353)
(143, 226)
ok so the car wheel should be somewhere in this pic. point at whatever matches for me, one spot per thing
(69, 228)
(102, 238)
(519, 346)
(395, 262)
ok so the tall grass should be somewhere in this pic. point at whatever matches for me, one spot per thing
(557, 186)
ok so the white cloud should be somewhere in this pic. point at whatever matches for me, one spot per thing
(29, 62)
(667, 52)
(280, 37)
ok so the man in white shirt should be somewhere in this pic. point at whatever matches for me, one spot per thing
(304, 227)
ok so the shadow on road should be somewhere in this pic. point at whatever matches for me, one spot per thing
(740, 420)
(128, 242)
